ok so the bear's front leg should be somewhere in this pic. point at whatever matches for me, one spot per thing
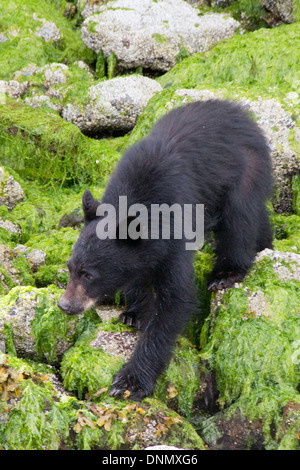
(170, 311)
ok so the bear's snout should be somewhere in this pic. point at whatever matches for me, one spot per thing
(64, 305)
(75, 300)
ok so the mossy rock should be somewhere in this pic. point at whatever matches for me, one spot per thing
(92, 362)
(27, 40)
(51, 149)
(286, 229)
(15, 269)
(40, 415)
(251, 341)
(32, 326)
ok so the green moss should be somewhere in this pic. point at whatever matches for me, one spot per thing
(41, 417)
(86, 370)
(250, 10)
(51, 149)
(57, 244)
(111, 65)
(25, 275)
(23, 46)
(49, 326)
(240, 63)
(184, 368)
(286, 232)
(100, 65)
(160, 38)
(182, 54)
(8, 334)
(203, 264)
(296, 194)
(50, 274)
(43, 208)
(51, 329)
(253, 355)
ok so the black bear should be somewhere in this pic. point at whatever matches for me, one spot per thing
(208, 153)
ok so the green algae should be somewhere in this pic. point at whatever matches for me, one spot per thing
(51, 149)
(43, 418)
(253, 353)
(234, 61)
(100, 65)
(296, 194)
(111, 65)
(184, 367)
(286, 232)
(20, 21)
(40, 417)
(86, 369)
(57, 244)
(52, 331)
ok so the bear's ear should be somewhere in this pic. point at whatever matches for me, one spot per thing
(89, 206)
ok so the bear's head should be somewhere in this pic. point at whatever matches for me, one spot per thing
(99, 267)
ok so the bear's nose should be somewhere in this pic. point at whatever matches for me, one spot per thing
(63, 305)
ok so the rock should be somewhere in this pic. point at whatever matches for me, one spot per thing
(11, 273)
(153, 34)
(114, 105)
(277, 125)
(39, 330)
(36, 259)
(10, 190)
(284, 10)
(48, 31)
(13, 88)
(42, 100)
(74, 219)
(119, 344)
(252, 344)
(285, 264)
(10, 227)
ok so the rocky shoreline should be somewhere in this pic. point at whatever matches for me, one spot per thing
(80, 82)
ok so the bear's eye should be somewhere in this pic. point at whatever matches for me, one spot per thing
(87, 276)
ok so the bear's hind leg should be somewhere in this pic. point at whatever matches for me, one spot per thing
(265, 235)
(236, 236)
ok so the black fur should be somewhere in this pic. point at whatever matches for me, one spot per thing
(207, 153)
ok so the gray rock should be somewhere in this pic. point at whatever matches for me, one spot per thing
(284, 10)
(42, 100)
(48, 31)
(10, 227)
(36, 259)
(152, 34)
(7, 255)
(285, 264)
(12, 88)
(113, 105)
(116, 344)
(10, 190)
(18, 310)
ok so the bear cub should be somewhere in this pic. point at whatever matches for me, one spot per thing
(208, 153)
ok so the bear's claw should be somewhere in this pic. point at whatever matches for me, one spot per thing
(126, 386)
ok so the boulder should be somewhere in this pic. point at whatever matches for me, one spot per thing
(251, 341)
(153, 35)
(10, 190)
(113, 105)
(33, 326)
(281, 10)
